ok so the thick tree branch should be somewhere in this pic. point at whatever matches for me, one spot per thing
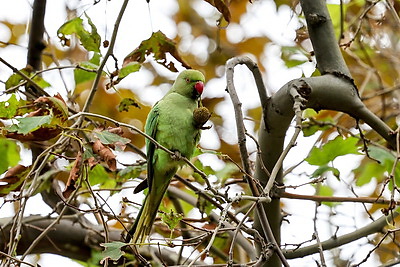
(36, 44)
(322, 35)
(265, 227)
(69, 238)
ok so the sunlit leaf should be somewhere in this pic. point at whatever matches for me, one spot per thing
(87, 72)
(10, 154)
(367, 171)
(128, 69)
(16, 79)
(99, 175)
(159, 45)
(8, 108)
(326, 191)
(292, 56)
(90, 40)
(380, 171)
(29, 124)
(206, 169)
(126, 103)
(333, 149)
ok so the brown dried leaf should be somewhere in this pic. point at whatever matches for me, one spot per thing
(221, 6)
(73, 176)
(116, 130)
(12, 179)
(105, 154)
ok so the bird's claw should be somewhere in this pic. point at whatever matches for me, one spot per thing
(176, 156)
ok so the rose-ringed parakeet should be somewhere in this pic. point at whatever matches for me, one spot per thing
(172, 124)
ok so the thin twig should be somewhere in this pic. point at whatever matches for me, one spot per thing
(15, 259)
(110, 51)
(321, 199)
(25, 77)
(158, 146)
(316, 236)
(297, 106)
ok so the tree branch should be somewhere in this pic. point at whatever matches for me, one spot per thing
(36, 44)
(322, 35)
(110, 51)
(337, 241)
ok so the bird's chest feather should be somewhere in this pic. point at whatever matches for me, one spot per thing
(177, 132)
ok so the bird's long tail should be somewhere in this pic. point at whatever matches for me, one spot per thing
(145, 219)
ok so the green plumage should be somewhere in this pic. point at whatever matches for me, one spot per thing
(170, 122)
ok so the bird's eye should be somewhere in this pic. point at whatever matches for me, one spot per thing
(187, 80)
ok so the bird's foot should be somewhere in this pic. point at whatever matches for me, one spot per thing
(176, 156)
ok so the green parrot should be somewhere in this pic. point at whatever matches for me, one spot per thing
(172, 124)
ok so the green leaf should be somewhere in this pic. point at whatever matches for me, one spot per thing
(294, 62)
(90, 40)
(205, 168)
(41, 82)
(334, 12)
(367, 171)
(108, 138)
(29, 124)
(16, 79)
(326, 191)
(323, 169)
(93, 40)
(290, 55)
(70, 27)
(113, 250)
(128, 69)
(370, 170)
(82, 75)
(160, 46)
(171, 219)
(226, 172)
(381, 155)
(130, 172)
(99, 175)
(126, 103)
(10, 154)
(333, 149)
(8, 108)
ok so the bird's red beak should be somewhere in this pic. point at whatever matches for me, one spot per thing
(199, 86)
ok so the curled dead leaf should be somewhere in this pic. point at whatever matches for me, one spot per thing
(105, 154)
(13, 179)
(74, 175)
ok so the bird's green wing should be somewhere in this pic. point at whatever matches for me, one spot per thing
(151, 130)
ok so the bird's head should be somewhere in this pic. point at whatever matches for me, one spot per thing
(189, 83)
